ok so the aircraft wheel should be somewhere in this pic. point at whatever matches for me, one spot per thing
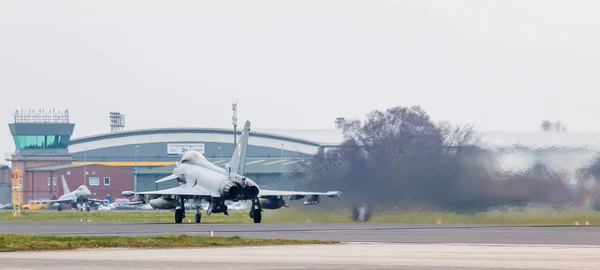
(198, 217)
(60, 208)
(257, 215)
(178, 215)
(87, 208)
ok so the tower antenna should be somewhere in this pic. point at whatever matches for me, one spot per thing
(234, 122)
(117, 121)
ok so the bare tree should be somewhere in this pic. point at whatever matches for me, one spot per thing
(556, 126)
(546, 125)
(401, 157)
(559, 126)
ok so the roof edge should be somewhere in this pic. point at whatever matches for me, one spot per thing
(48, 168)
(224, 131)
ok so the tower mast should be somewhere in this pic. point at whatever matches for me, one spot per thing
(234, 122)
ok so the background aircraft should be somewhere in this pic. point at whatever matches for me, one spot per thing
(199, 179)
(78, 197)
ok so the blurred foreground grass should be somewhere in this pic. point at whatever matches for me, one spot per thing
(317, 215)
(37, 243)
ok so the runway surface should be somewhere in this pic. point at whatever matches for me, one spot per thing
(343, 256)
(357, 232)
(365, 246)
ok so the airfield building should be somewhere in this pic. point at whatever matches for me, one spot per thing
(5, 184)
(134, 159)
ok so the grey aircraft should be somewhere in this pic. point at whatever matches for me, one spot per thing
(200, 179)
(78, 197)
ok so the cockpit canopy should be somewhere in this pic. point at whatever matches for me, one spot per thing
(192, 157)
(82, 187)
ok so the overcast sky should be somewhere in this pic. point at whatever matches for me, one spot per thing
(500, 65)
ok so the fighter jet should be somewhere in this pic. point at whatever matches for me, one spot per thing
(200, 179)
(78, 197)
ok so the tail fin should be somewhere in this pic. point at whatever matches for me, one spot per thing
(238, 159)
(64, 183)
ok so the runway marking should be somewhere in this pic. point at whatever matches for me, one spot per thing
(474, 244)
(254, 162)
(275, 162)
(291, 162)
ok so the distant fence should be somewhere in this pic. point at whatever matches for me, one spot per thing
(5, 194)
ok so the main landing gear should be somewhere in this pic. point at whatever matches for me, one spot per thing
(213, 207)
(84, 206)
(198, 216)
(180, 212)
(256, 211)
(216, 207)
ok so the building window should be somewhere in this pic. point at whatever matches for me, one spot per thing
(41, 141)
(107, 181)
(48, 180)
(54, 180)
(94, 181)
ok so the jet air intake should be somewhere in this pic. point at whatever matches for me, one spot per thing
(229, 189)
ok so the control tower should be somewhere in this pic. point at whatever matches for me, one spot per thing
(41, 138)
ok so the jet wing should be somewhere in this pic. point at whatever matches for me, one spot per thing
(57, 201)
(195, 191)
(296, 195)
(98, 201)
(268, 193)
(170, 177)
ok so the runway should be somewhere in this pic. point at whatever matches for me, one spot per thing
(343, 256)
(356, 232)
(364, 246)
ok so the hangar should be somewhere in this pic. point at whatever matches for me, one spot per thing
(272, 154)
(156, 147)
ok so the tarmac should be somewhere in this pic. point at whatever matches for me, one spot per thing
(364, 246)
(342, 256)
(352, 232)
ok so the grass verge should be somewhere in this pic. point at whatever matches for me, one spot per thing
(318, 215)
(9, 243)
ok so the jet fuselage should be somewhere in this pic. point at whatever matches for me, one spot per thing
(81, 194)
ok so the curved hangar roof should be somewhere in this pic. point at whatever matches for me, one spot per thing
(309, 140)
(303, 141)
